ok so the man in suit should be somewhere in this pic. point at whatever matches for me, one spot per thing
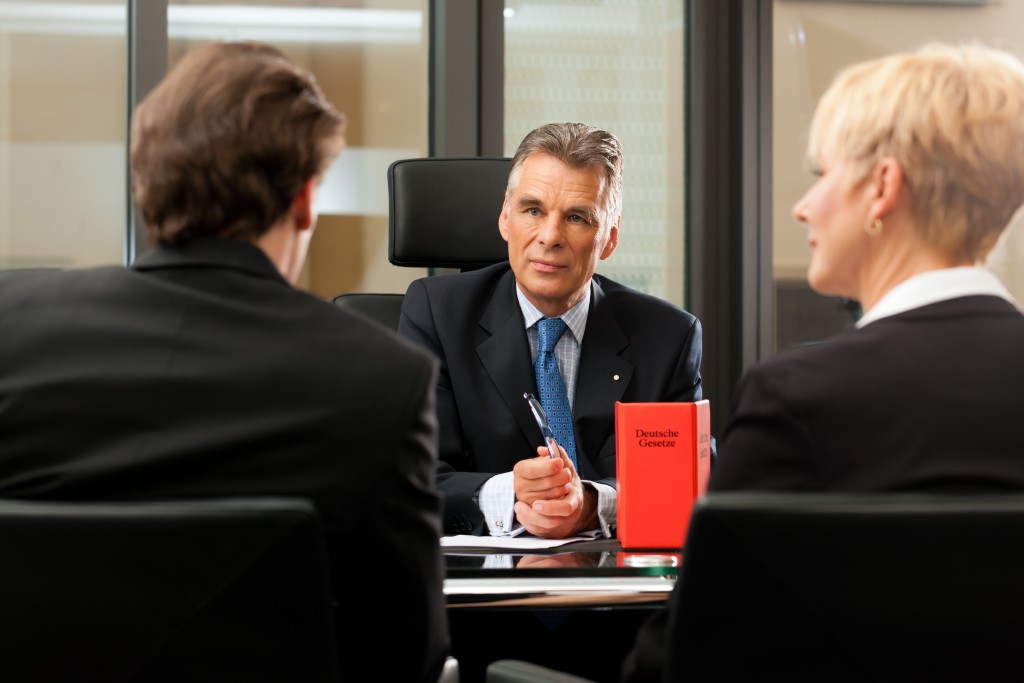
(201, 372)
(560, 217)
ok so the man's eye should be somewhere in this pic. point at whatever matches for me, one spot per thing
(533, 211)
(575, 218)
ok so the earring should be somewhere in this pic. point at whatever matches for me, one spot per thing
(874, 227)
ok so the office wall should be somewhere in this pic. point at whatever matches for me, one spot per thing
(62, 148)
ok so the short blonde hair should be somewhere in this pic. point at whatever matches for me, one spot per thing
(953, 116)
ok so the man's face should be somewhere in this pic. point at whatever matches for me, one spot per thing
(557, 231)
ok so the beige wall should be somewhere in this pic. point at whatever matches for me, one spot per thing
(62, 149)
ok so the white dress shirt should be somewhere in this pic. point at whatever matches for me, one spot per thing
(497, 495)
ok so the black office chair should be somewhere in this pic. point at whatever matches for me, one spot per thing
(227, 590)
(385, 309)
(442, 213)
(819, 587)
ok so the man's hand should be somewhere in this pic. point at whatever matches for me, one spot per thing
(551, 501)
(543, 477)
(559, 560)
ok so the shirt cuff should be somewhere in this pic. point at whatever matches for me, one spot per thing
(607, 498)
(497, 503)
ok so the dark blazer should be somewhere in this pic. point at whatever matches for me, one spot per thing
(200, 372)
(636, 348)
(927, 400)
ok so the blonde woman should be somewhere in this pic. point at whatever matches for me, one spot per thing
(920, 165)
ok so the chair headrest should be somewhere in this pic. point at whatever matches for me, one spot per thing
(443, 212)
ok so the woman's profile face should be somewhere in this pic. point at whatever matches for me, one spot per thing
(835, 215)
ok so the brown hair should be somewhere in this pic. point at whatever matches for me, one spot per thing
(578, 146)
(224, 143)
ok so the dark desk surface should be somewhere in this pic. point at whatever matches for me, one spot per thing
(588, 573)
(574, 608)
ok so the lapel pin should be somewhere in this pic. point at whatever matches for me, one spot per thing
(615, 377)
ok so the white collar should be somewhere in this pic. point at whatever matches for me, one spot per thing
(934, 286)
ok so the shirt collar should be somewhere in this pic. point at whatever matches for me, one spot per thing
(934, 286)
(575, 317)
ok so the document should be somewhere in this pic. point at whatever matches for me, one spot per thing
(521, 542)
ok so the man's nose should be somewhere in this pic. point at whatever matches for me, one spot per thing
(550, 232)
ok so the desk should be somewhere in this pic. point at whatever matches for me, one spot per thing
(575, 608)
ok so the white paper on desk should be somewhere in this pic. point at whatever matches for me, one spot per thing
(521, 542)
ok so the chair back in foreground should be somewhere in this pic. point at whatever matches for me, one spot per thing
(443, 212)
(226, 590)
(883, 587)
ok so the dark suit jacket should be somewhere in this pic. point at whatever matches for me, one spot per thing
(927, 400)
(200, 372)
(636, 348)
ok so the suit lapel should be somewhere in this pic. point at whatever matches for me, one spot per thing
(505, 354)
(602, 378)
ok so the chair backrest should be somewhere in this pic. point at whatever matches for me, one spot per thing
(384, 308)
(443, 212)
(174, 591)
(850, 587)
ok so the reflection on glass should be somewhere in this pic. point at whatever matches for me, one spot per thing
(370, 58)
(63, 96)
(616, 65)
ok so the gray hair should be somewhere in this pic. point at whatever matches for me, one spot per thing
(578, 146)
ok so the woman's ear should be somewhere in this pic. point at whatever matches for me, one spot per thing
(886, 188)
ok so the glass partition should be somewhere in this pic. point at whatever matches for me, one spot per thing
(63, 111)
(617, 65)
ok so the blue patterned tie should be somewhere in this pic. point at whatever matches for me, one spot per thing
(553, 396)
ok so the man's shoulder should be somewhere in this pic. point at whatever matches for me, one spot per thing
(360, 334)
(37, 286)
(456, 295)
(639, 308)
(485, 279)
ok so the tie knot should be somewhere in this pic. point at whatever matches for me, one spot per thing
(549, 331)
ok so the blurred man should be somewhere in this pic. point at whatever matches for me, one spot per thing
(201, 372)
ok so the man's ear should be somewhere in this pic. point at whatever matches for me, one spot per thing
(302, 206)
(503, 220)
(613, 239)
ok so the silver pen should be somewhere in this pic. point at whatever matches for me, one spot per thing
(542, 422)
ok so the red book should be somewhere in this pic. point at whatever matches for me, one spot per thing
(662, 462)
